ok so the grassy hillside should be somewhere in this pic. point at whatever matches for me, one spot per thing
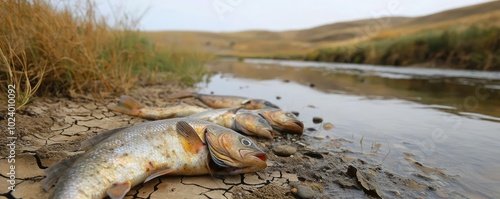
(346, 40)
(48, 51)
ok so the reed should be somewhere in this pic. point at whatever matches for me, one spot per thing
(476, 48)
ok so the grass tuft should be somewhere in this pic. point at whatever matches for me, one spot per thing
(49, 51)
(471, 48)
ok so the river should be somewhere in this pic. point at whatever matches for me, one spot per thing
(449, 119)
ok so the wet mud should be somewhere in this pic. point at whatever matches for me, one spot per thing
(51, 129)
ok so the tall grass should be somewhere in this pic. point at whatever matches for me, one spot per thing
(57, 51)
(471, 48)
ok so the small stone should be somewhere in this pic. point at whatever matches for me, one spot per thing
(319, 137)
(296, 113)
(303, 192)
(317, 120)
(284, 150)
(312, 85)
(441, 193)
(301, 144)
(327, 126)
(278, 97)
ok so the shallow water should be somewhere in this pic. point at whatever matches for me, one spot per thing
(447, 119)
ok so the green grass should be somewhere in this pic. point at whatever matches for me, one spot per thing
(472, 48)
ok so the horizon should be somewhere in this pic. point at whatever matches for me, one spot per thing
(240, 15)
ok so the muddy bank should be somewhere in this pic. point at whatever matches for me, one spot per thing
(51, 129)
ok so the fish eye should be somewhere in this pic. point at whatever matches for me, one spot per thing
(245, 142)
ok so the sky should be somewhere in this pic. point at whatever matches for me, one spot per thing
(274, 15)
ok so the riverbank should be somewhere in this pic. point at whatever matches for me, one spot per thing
(474, 48)
(50, 129)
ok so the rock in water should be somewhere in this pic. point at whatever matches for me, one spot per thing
(317, 120)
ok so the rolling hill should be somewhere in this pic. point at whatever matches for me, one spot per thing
(297, 43)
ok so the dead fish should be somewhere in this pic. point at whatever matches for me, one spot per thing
(225, 101)
(281, 121)
(249, 123)
(125, 157)
(129, 106)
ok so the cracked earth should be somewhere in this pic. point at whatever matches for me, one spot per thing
(51, 129)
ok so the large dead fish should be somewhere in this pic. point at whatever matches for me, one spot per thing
(125, 157)
(130, 106)
(226, 101)
(248, 123)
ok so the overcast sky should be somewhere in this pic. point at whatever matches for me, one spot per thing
(276, 15)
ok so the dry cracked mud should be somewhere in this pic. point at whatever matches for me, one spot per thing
(51, 129)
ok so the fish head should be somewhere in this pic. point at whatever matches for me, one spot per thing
(253, 124)
(283, 121)
(253, 104)
(232, 153)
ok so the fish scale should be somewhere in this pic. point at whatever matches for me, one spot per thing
(132, 155)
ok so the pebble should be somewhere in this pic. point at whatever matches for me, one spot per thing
(317, 120)
(327, 126)
(301, 144)
(303, 192)
(312, 85)
(319, 137)
(278, 97)
(284, 150)
(296, 113)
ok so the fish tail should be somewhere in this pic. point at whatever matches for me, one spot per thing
(183, 95)
(127, 105)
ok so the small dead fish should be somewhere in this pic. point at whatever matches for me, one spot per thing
(129, 106)
(281, 121)
(125, 157)
(248, 123)
(225, 101)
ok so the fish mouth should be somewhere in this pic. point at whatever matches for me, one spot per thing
(295, 127)
(267, 133)
(256, 160)
(261, 156)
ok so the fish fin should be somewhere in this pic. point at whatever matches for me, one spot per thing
(55, 171)
(86, 144)
(194, 142)
(118, 190)
(127, 105)
(234, 110)
(218, 153)
(181, 95)
(245, 102)
(158, 174)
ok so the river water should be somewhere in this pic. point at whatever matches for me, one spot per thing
(449, 119)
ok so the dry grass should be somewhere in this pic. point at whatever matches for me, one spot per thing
(48, 51)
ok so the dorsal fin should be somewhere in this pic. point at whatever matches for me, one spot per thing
(55, 172)
(234, 110)
(127, 105)
(86, 144)
(194, 142)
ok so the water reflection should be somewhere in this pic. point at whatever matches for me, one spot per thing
(451, 94)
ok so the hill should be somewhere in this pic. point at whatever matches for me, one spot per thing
(301, 43)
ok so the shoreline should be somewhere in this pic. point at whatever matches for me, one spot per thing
(50, 129)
